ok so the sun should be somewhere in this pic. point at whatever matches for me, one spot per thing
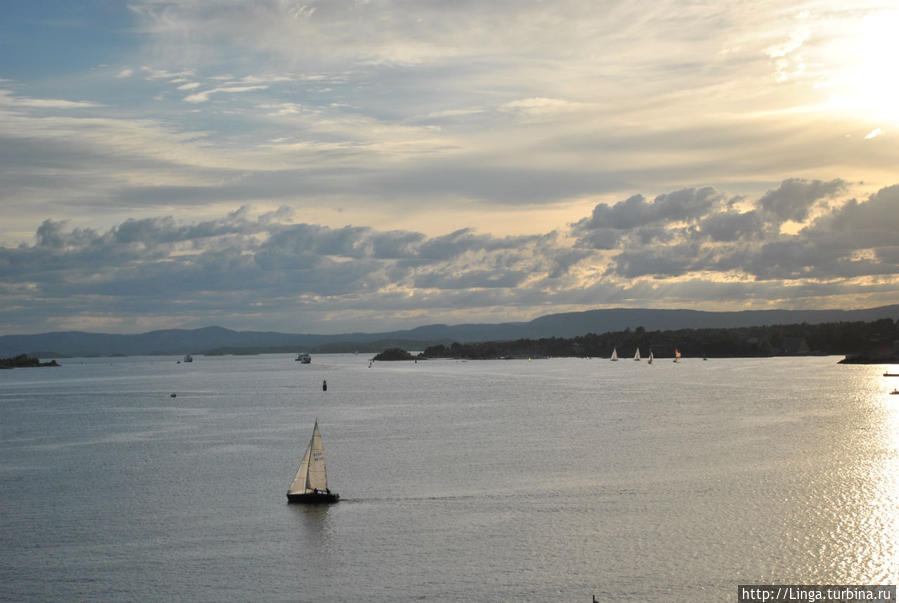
(865, 82)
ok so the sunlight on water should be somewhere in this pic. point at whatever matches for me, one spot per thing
(885, 515)
(869, 498)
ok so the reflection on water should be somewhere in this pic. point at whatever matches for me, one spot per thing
(883, 525)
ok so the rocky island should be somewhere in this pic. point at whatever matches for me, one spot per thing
(24, 361)
(394, 354)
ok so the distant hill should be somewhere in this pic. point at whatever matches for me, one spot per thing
(571, 324)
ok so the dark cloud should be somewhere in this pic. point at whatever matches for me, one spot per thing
(235, 264)
(698, 230)
(794, 197)
(880, 213)
(264, 271)
(472, 279)
(605, 227)
(732, 226)
(668, 261)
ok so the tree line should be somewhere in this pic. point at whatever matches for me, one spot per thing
(869, 339)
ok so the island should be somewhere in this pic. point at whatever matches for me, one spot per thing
(394, 354)
(24, 361)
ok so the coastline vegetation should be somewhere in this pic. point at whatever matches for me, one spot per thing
(875, 341)
(24, 361)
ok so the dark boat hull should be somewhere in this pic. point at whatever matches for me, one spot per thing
(318, 498)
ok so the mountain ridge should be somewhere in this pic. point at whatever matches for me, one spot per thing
(217, 339)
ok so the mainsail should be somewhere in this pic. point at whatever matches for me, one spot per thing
(311, 475)
(637, 355)
(614, 354)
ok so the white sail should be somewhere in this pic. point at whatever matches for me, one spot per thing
(311, 474)
(650, 357)
(614, 354)
(637, 355)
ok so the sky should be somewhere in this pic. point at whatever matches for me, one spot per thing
(370, 165)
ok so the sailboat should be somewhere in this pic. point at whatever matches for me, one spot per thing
(676, 354)
(637, 355)
(310, 485)
(650, 357)
(614, 354)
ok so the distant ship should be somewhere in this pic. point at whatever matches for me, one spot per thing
(303, 358)
(188, 358)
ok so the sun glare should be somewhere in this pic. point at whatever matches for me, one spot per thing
(867, 85)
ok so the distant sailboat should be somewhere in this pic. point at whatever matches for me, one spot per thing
(637, 355)
(649, 361)
(676, 354)
(311, 482)
(188, 358)
(614, 354)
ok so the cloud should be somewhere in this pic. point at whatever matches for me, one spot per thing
(689, 246)
(416, 142)
(846, 240)
(151, 73)
(7, 98)
(202, 97)
(608, 222)
(541, 106)
(794, 197)
(142, 262)
(876, 215)
(732, 225)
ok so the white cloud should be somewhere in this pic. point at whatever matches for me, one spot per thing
(542, 106)
(202, 97)
(7, 98)
(162, 74)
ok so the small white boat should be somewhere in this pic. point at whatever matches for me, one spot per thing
(649, 360)
(614, 355)
(637, 355)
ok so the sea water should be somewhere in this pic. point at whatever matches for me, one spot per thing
(542, 480)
